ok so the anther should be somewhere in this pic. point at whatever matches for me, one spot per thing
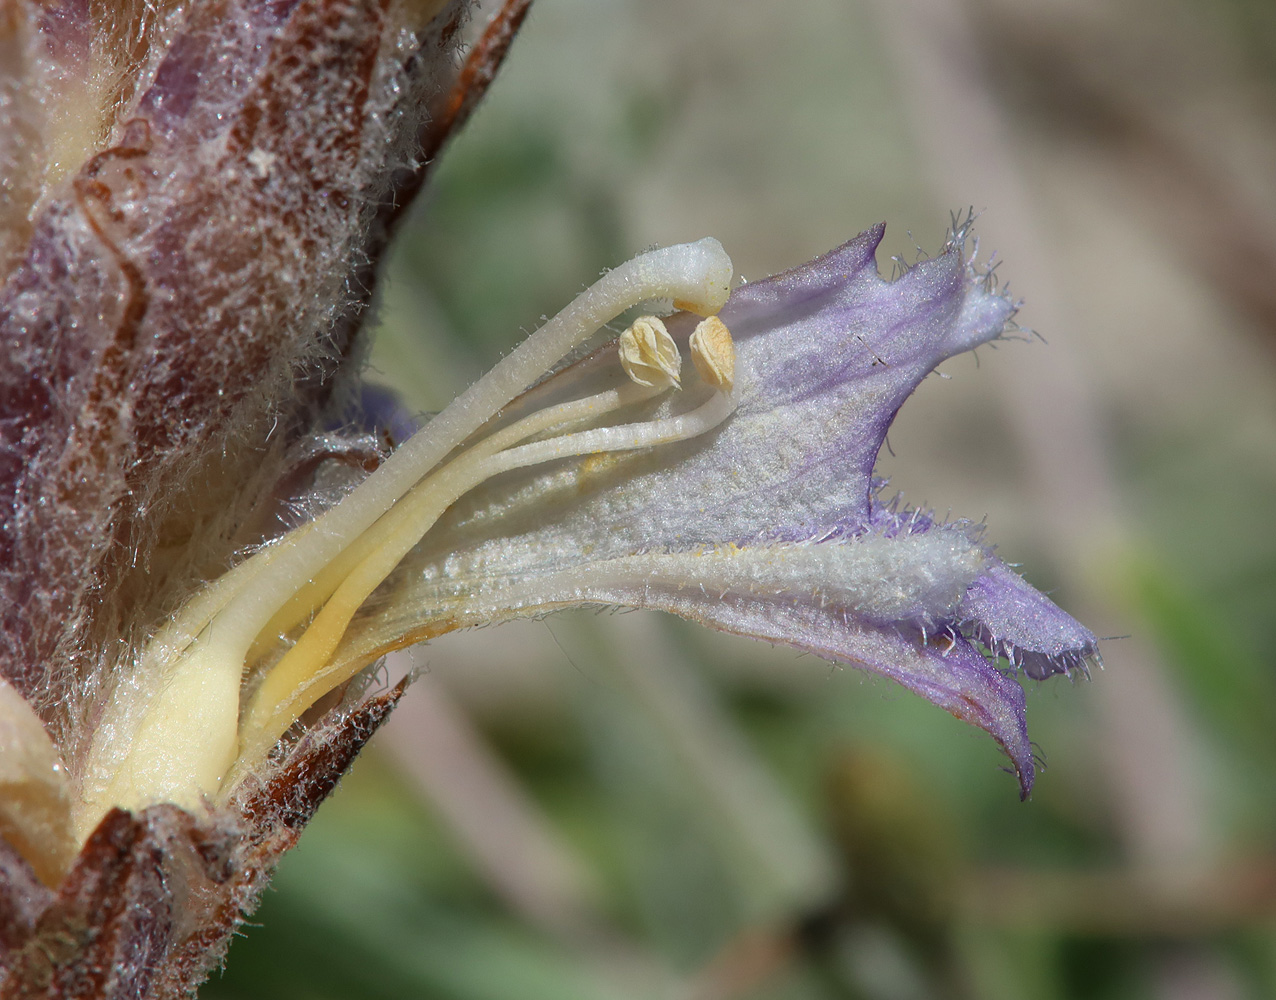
(713, 353)
(649, 355)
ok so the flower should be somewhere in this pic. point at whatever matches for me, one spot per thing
(742, 498)
(181, 684)
(770, 524)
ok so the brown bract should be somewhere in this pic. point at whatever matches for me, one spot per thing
(193, 198)
(152, 899)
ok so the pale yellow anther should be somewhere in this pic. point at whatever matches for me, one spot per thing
(649, 355)
(713, 353)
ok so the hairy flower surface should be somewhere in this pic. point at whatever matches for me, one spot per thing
(769, 525)
(741, 497)
(188, 233)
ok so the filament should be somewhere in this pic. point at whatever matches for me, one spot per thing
(300, 678)
(321, 587)
(180, 743)
(697, 274)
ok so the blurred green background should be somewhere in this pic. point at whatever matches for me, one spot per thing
(624, 806)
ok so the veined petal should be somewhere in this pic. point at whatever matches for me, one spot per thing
(1015, 621)
(766, 526)
(943, 668)
(884, 604)
(825, 355)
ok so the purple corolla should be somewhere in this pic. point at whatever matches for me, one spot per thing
(769, 523)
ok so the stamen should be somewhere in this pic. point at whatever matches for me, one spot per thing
(180, 746)
(713, 353)
(211, 666)
(322, 586)
(649, 355)
(697, 272)
(303, 675)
